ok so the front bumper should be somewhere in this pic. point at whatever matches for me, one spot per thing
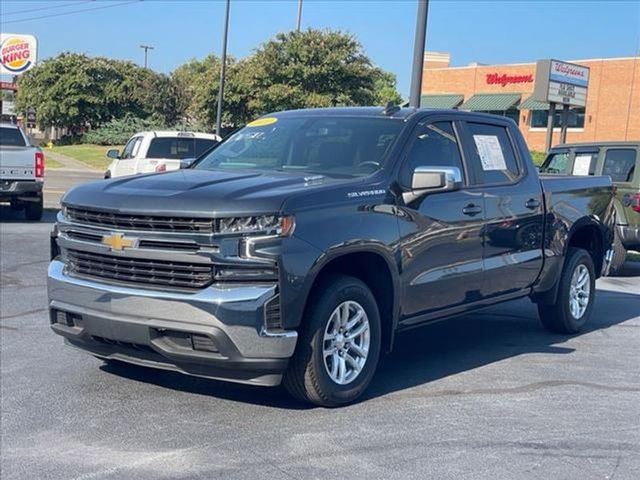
(216, 332)
(25, 190)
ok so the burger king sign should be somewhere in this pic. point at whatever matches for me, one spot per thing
(17, 53)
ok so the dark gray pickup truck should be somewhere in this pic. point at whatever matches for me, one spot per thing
(295, 250)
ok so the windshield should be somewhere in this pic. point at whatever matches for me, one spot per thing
(11, 137)
(178, 148)
(332, 146)
(556, 162)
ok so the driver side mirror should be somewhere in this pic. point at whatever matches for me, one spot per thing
(113, 153)
(433, 179)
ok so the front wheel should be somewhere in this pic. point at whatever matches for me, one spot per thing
(339, 347)
(576, 294)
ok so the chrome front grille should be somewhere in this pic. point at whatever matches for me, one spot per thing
(138, 271)
(152, 223)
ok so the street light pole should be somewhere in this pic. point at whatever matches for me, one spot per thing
(146, 50)
(299, 15)
(223, 66)
(418, 53)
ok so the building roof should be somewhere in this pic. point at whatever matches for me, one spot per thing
(486, 102)
(445, 100)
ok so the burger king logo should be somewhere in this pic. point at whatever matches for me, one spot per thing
(17, 53)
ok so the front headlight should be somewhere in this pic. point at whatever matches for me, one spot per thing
(263, 224)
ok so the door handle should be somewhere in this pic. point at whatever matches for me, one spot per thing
(472, 210)
(532, 204)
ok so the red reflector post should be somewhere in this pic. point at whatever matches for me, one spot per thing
(39, 165)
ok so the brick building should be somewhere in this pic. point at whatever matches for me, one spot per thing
(613, 99)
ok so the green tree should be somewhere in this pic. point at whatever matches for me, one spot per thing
(314, 68)
(197, 83)
(75, 91)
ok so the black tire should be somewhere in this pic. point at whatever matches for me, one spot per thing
(107, 175)
(558, 318)
(306, 377)
(33, 210)
(619, 255)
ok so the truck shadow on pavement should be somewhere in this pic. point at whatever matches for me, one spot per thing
(8, 215)
(426, 354)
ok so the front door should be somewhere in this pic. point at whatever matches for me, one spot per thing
(126, 164)
(441, 233)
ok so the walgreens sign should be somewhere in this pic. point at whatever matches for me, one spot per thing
(504, 79)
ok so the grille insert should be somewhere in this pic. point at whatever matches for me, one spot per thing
(139, 271)
(139, 222)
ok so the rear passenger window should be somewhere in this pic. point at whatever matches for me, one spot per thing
(434, 146)
(496, 160)
(619, 164)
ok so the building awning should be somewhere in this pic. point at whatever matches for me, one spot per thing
(531, 104)
(444, 100)
(491, 102)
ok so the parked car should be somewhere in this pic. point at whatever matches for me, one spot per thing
(296, 249)
(148, 152)
(620, 161)
(21, 172)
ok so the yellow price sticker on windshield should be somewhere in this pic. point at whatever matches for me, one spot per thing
(261, 122)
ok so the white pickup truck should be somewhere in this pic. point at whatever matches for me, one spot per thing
(158, 151)
(21, 172)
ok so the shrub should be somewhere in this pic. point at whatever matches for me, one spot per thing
(118, 131)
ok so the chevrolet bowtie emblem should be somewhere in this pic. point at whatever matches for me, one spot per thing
(118, 242)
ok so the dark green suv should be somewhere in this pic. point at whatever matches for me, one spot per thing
(619, 160)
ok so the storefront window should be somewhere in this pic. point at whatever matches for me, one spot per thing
(538, 118)
(513, 114)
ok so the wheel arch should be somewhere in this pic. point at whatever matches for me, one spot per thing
(374, 267)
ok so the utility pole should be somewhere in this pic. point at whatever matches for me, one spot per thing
(146, 50)
(223, 66)
(418, 53)
(299, 15)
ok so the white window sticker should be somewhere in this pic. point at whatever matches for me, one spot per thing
(490, 152)
(581, 165)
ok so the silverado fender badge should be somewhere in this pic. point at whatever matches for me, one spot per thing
(117, 241)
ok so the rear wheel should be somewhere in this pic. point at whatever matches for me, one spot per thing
(339, 347)
(619, 255)
(33, 210)
(576, 292)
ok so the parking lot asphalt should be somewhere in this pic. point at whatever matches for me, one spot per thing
(485, 396)
(58, 181)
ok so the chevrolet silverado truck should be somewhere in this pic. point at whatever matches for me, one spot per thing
(621, 162)
(21, 172)
(296, 249)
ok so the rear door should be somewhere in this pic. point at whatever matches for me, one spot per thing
(513, 207)
(621, 164)
(441, 233)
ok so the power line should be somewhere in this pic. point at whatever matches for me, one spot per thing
(20, 20)
(66, 5)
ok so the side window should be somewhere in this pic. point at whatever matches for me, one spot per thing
(584, 163)
(619, 164)
(556, 163)
(495, 159)
(435, 146)
(127, 152)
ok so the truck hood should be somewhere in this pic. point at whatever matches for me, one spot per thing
(197, 192)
